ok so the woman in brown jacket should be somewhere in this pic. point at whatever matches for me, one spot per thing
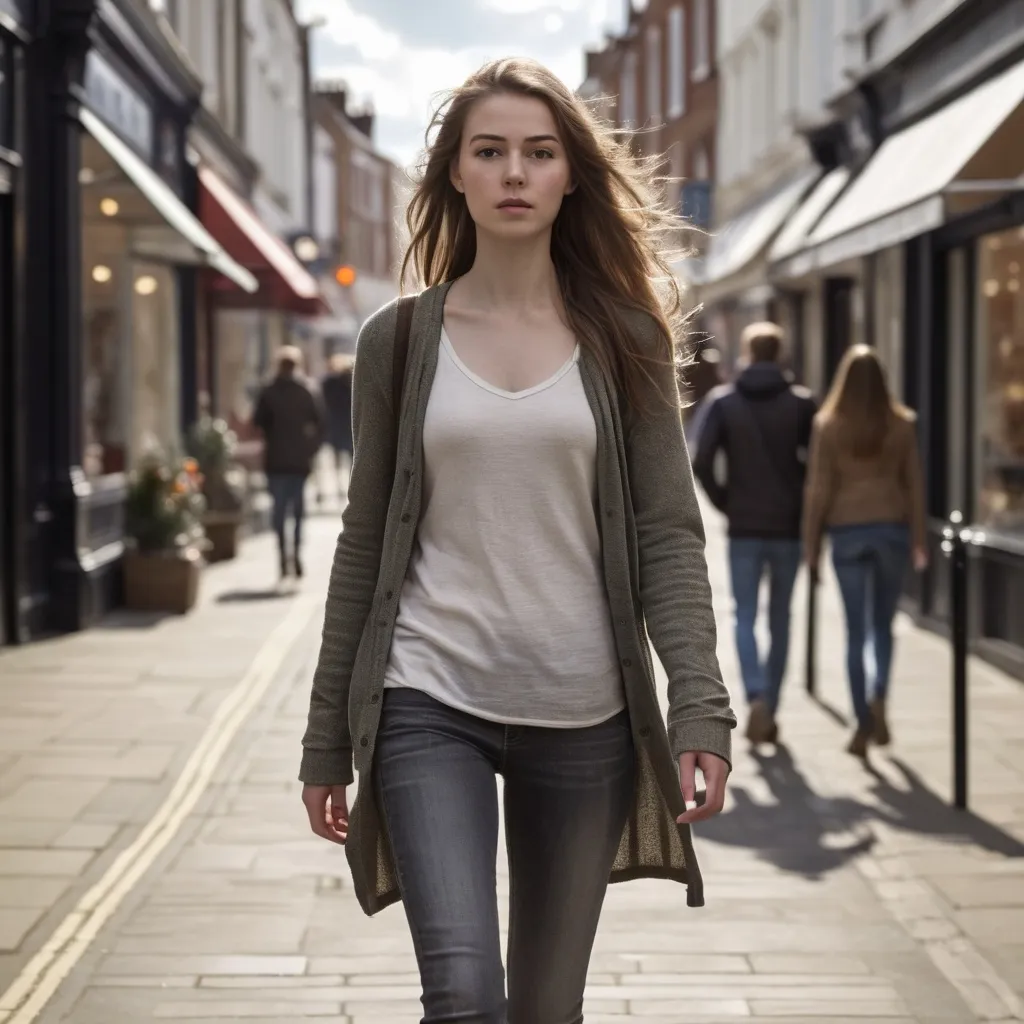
(864, 486)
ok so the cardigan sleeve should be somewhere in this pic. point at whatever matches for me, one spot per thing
(327, 743)
(675, 591)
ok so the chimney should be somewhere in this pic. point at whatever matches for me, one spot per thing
(335, 93)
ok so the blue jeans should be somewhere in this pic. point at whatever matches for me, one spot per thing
(288, 492)
(567, 794)
(749, 559)
(870, 561)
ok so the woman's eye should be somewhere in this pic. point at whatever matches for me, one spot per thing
(487, 152)
(544, 154)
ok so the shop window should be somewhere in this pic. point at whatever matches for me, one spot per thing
(1000, 375)
(104, 385)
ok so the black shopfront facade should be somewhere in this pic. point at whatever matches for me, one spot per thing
(15, 25)
(964, 346)
(99, 324)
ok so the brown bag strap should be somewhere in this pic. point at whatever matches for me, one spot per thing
(399, 359)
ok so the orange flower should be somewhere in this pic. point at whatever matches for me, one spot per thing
(191, 466)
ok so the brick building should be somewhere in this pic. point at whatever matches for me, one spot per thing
(367, 194)
(658, 78)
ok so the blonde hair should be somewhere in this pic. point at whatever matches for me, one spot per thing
(763, 341)
(608, 241)
(860, 402)
(288, 355)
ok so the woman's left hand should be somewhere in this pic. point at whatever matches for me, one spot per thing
(716, 772)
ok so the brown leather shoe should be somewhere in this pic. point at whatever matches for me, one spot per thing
(880, 734)
(858, 745)
(760, 724)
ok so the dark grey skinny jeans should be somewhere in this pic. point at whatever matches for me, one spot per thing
(567, 795)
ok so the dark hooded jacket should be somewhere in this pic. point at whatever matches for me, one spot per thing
(762, 425)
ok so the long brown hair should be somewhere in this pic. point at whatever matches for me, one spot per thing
(608, 241)
(860, 402)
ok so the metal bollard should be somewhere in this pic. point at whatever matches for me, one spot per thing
(955, 537)
(811, 664)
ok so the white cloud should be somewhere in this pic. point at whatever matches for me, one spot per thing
(402, 74)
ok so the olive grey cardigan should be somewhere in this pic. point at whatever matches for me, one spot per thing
(655, 573)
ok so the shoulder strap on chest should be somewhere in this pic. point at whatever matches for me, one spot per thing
(399, 360)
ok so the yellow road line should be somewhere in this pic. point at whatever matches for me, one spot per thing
(39, 980)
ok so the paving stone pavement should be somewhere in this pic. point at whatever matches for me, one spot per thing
(834, 893)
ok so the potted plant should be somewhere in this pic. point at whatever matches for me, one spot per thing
(163, 518)
(212, 444)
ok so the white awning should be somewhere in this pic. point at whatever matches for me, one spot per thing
(200, 246)
(792, 237)
(902, 191)
(740, 240)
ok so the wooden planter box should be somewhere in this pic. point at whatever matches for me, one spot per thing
(162, 581)
(222, 530)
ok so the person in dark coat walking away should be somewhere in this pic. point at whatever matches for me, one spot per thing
(762, 426)
(290, 414)
(337, 395)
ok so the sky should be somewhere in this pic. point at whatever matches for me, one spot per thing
(399, 54)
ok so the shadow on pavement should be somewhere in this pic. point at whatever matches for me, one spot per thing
(805, 833)
(916, 808)
(799, 831)
(240, 596)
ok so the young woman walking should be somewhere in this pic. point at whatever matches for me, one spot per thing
(503, 551)
(864, 486)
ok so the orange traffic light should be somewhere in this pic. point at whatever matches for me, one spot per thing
(345, 275)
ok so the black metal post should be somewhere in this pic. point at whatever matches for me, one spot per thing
(955, 538)
(811, 665)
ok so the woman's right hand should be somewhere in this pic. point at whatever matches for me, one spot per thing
(327, 807)
(920, 559)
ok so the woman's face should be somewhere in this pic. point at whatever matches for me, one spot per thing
(512, 166)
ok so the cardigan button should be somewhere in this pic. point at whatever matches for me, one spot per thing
(645, 731)
(364, 742)
(374, 697)
(406, 517)
(388, 595)
(626, 663)
(383, 623)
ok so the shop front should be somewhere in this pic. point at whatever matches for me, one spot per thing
(246, 329)
(112, 249)
(925, 245)
(13, 38)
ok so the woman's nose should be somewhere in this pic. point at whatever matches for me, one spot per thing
(514, 174)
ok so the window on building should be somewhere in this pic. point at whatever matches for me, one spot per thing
(701, 40)
(1000, 374)
(654, 74)
(701, 163)
(627, 92)
(676, 61)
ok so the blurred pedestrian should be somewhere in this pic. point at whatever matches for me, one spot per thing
(487, 609)
(761, 426)
(864, 487)
(336, 389)
(289, 413)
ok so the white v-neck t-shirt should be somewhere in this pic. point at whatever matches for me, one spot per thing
(504, 612)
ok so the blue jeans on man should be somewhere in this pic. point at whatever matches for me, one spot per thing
(750, 559)
(287, 491)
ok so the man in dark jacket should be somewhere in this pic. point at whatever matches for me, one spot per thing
(291, 417)
(761, 425)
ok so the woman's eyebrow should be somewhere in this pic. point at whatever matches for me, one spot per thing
(482, 137)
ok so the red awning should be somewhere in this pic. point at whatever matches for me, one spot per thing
(284, 283)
